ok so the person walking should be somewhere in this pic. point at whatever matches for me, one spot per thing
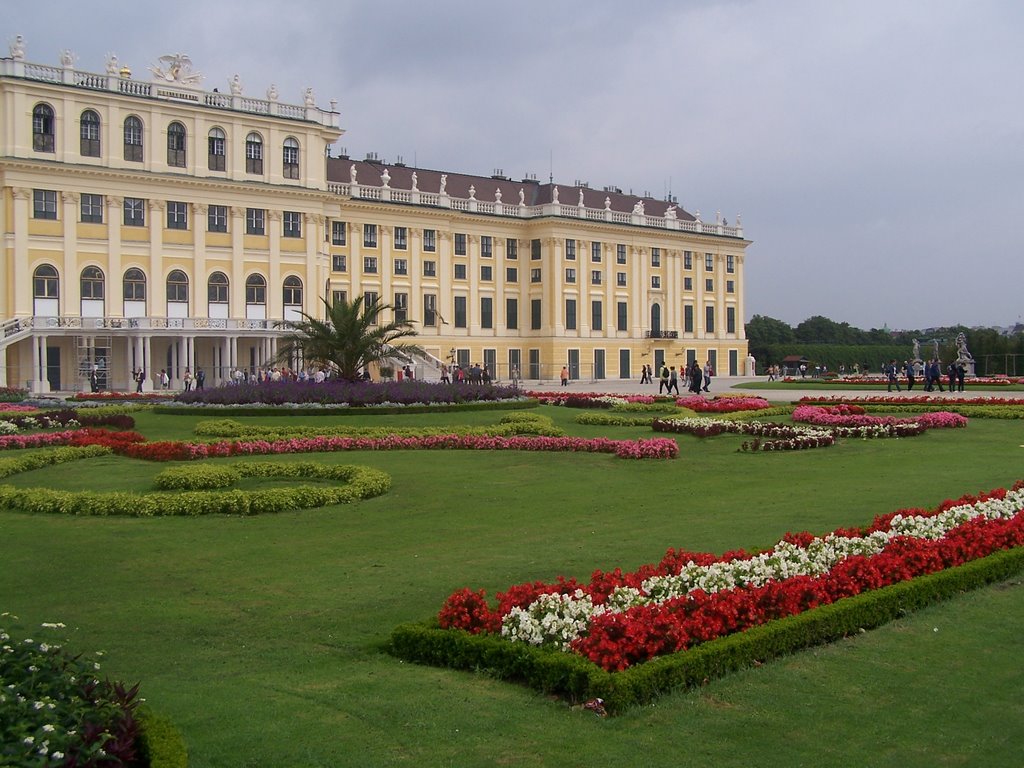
(673, 380)
(696, 377)
(708, 373)
(565, 376)
(890, 374)
(908, 368)
(663, 379)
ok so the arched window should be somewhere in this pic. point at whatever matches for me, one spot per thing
(92, 283)
(134, 285)
(217, 149)
(655, 320)
(255, 290)
(89, 130)
(133, 139)
(254, 153)
(290, 157)
(217, 288)
(177, 286)
(45, 283)
(293, 291)
(176, 140)
(42, 128)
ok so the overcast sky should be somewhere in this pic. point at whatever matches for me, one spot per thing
(875, 149)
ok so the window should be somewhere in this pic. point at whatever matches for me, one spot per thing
(511, 274)
(254, 153)
(338, 232)
(620, 253)
(217, 218)
(595, 252)
(512, 314)
(290, 158)
(620, 279)
(255, 290)
(177, 215)
(44, 204)
(460, 271)
(570, 250)
(460, 244)
(401, 238)
(535, 275)
(688, 318)
(401, 305)
(89, 133)
(369, 300)
(709, 262)
(535, 314)
(595, 277)
(134, 285)
(486, 274)
(709, 284)
(92, 208)
(176, 142)
(133, 139)
(597, 315)
(430, 269)
(511, 249)
(709, 319)
(370, 265)
(655, 257)
(134, 212)
(92, 283)
(430, 240)
(45, 283)
(339, 262)
(460, 311)
(177, 286)
(730, 319)
(216, 151)
(570, 275)
(401, 267)
(255, 221)
(339, 297)
(217, 288)
(292, 224)
(42, 128)
(730, 286)
(369, 235)
(622, 316)
(430, 309)
(687, 283)
(730, 264)
(570, 314)
(292, 291)
(535, 249)
(486, 312)
(687, 259)
(655, 281)
(486, 246)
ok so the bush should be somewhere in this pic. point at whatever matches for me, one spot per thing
(161, 744)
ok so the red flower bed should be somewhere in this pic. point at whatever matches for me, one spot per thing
(723, 404)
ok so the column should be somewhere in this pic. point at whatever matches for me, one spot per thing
(115, 268)
(71, 289)
(19, 263)
(156, 272)
(236, 291)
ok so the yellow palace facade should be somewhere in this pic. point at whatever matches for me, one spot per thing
(151, 224)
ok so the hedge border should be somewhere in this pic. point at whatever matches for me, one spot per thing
(577, 679)
(281, 410)
(161, 744)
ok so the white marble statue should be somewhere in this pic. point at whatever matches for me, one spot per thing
(272, 94)
(444, 184)
(472, 192)
(352, 174)
(18, 48)
(415, 182)
(581, 199)
(522, 196)
(67, 58)
(386, 178)
(177, 68)
(554, 194)
(670, 212)
(607, 203)
(308, 99)
(497, 195)
(235, 84)
(638, 209)
(112, 66)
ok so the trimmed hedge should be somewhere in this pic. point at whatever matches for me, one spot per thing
(160, 743)
(342, 410)
(577, 679)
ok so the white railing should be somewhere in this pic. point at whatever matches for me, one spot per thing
(10, 328)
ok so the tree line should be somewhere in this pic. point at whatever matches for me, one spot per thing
(829, 343)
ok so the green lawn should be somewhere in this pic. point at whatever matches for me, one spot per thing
(261, 636)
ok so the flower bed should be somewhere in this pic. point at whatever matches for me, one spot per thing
(912, 400)
(88, 436)
(618, 620)
(722, 404)
(12, 394)
(854, 416)
(875, 381)
(592, 399)
(770, 437)
(354, 394)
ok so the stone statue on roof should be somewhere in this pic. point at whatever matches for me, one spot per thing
(308, 98)
(607, 203)
(177, 68)
(554, 194)
(497, 195)
(18, 48)
(638, 209)
(67, 58)
(415, 182)
(272, 94)
(236, 85)
(670, 212)
(352, 174)
(112, 64)
(386, 178)
(581, 198)
(472, 192)
(522, 197)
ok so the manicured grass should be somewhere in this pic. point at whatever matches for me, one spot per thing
(853, 389)
(261, 636)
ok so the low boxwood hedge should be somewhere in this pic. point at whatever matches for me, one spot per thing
(160, 743)
(342, 410)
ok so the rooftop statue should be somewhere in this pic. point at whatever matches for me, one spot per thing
(18, 48)
(670, 213)
(415, 182)
(236, 85)
(444, 184)
(554, 194)
(177, 68)
(352, 174)
(497, 195)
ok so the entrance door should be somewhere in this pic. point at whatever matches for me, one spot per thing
(574, 363)
(659, 362)
(623, 363)
(598, 363)
(53, 368)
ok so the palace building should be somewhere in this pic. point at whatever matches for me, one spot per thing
(149, 223)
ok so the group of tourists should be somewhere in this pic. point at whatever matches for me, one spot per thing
(461, 374)
(694, 378)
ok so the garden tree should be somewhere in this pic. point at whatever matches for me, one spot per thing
(821, 330)
(762, 332)
(350, 338)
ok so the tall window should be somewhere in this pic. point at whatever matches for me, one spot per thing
(512, 248)
(655, 257)
(339, 229)
(401, 306)
(290, 158)
(595, 252)
(535, 314)
(255, 290)
(570, 314)
(430, 269)
(401, 238)
(512, 314)
(134, 285)
(255, 221)
(45, 283)
(620, 279)
(217, 288)
(622, 316)
(535, 275)
(709, 262)
(570, 249)
(460, 244)
(369, 235)
(570, 274)
(292, 224)
(486, 246)
(620, 253)
(177, 215)
(89, 133)
(369, 299)
(44, 204)
(596, 315)
(292, 291)
(730, 264)
(254, 153)
(176, 141)
(730, 319)
(217, 218)
(709, 319)
(486, 312)
(460, 311)
(430, 309)
(92, 283)
(595, 277)
(688, 318)
(216, 150)
(430, 240)
(177, 286)
(687, 259)
(535, 249)
(134, 212)
(42, 128)
(92, 208)
(133, 139)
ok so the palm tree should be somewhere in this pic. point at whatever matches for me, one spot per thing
(349, 338)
